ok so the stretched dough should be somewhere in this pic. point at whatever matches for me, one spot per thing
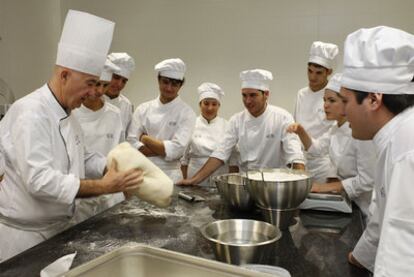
(156, 188)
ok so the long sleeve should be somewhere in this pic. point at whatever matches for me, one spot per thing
(35, 160)
(226, 145)
(135, 130)
(175, 147)
(291, 144)
(363, 181)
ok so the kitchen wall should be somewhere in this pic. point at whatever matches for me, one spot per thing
(216, 38)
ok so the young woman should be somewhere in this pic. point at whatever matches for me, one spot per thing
(209, 129)
(354, 160)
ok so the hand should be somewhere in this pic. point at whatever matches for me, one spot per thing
(334, 187)
(294, 128)
(115, 181)
(353, 261)
(316, 187)
(142, 137)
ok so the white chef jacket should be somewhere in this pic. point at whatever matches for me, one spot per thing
(172, 123)
(102, 131)
(126, 107)
(263, 140)
(204, 141)
(309, 112)
(44, 158)
(354, 161)
(391, 227)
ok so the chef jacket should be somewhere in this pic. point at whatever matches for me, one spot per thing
(390, 232)
(126, 108)
(354, 161)
(102, 131)
(172, 123)
(309, 112)
(44, 160)
(263, 140)
(204, 141)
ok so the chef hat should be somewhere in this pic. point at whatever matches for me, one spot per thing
(109, 69)
(210, 90)
(84, 42)
(334, 83)
(323, 53)
(256, 79)
(379, 59)
(125, 62)
(171, 68)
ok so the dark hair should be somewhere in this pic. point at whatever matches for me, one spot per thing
(394, 103)
(317, 65)
(172, 79)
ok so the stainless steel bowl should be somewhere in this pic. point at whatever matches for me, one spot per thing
(232, 190)
(241, 241)
(279, 195)
(280, 218)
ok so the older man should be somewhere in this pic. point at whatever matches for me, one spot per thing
(42, 143)
(378, 89)
(259, 131)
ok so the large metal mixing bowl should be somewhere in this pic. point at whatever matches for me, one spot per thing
(231, 188)
(281, 195)
(241, 241)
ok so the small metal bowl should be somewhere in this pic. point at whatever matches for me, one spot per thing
(231, 188)
(241, 241)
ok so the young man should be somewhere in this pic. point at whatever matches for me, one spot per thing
(309, 110)
(101, 125)
(161, 129)
(45, 160)
(378, 89)
(259, 131)
(113, 94)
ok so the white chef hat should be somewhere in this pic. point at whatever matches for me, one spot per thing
(323, 53)
(109, 69)
(334, 83)
(210, 90)
(379, 59)
(125, 62)
(84, 42)
(256, 79)
(171, 68)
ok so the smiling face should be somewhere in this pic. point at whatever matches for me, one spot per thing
(254, 100)
(76, 88)
(333, 106)
(116, 86)
(209, 108)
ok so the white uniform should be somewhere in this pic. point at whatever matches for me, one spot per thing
(263, 140)
(172, 123)
(204, 141)
(354, 161)
(126, 108)
(391, 228)
(102, 131)
(44, 158)
(309, 112)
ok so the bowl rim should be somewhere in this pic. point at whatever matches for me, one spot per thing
(276, 238)
(268, 170)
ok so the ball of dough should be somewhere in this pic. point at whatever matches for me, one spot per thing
(156, 187)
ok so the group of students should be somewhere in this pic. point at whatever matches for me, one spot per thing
(353, 134)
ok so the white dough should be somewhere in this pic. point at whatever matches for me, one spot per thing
(277, 176)
(156, 188)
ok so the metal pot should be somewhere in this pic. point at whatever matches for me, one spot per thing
(231, 188)
(281, 195)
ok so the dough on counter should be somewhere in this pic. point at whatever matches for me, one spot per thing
(156, 188)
